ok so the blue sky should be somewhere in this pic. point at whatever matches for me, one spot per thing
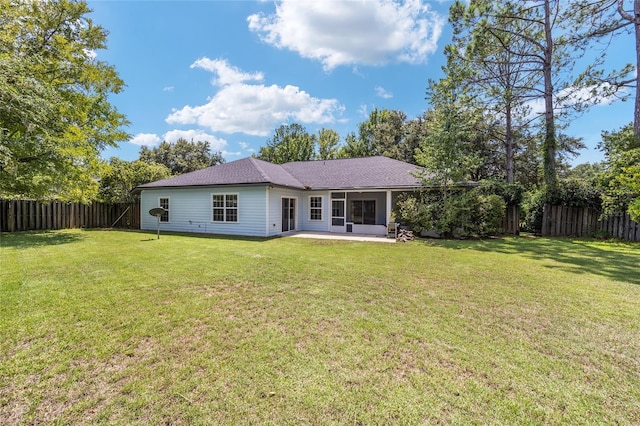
(231, 72)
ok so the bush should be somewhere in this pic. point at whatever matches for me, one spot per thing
(453, 213)
(570, 192)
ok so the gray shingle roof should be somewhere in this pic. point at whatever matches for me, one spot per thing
(367, 172)
(240, 172)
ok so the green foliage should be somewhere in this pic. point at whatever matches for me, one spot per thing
(55, 117)
(532, 209)
(620, 178)
(120, 177)
(461, 213)
(385, 133)
(328, 141)
(570, 192)
(182, 156)
(445, 152)
(487, 47)
(290, 142)
(511, 193)
(353, 148)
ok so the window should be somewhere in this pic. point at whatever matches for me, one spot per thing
(164, 203)
(363, 212)
(225, 207)
(315, 208)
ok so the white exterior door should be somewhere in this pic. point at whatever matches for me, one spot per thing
(338, 213)
(288, 214)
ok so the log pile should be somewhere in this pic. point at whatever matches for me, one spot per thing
(404, 235)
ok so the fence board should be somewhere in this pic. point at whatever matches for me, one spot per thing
(26, 215)
(563, 221)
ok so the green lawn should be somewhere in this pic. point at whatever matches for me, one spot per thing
(118, 327)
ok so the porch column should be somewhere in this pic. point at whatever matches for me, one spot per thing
(388, 207)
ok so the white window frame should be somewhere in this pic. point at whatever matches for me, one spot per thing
(168, 210)
(320, 209)
(225, 207)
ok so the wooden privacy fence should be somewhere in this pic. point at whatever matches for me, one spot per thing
(27, 215)
(511, 221)
(564, 221)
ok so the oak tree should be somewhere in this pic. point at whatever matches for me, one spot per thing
(55, 114)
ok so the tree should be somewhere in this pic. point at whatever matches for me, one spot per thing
(607, 19)
(120, 177)
(494, 71)
(386, 132)
(415, 131)
(621, 177)
(633, 19)
(445, 151)
(55, 116)
(538, 43)
(328, 141)
(290, 142)
(353, 148)
(182, 156)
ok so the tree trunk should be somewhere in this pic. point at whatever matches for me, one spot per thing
(549, 145)
(636, 112)
(509, 142)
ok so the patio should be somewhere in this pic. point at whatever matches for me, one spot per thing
(341, 236)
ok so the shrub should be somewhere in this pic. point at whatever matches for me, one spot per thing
(570, 192)
(456, 213)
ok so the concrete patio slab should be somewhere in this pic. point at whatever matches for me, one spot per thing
(346, 237)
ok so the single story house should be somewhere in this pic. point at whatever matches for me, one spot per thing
(256, 198)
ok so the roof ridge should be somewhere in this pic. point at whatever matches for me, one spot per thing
(341, 159)
(264, 175)
(256, 162)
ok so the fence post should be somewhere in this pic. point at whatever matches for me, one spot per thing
(11, 214)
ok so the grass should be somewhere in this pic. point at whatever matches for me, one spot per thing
(117, 327)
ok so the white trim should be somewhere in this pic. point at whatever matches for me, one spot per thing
(295, 213)
(266, 212)
(224, 194)
(338, 228)
(316, 208)
(168, 210)
(388, 216)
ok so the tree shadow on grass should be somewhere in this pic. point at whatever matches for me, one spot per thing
(619, 261)
(31, 239)
(152, 236)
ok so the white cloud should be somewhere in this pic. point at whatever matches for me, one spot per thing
(215, 143)
(245, 147)
(383, 93)
(168, 89)
(352, 32)
(146, 139)
(253, 109)
(226, 74)
(363, 110)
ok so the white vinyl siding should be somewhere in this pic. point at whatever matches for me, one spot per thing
(191, 210)
(306, 223)
(274, 224)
